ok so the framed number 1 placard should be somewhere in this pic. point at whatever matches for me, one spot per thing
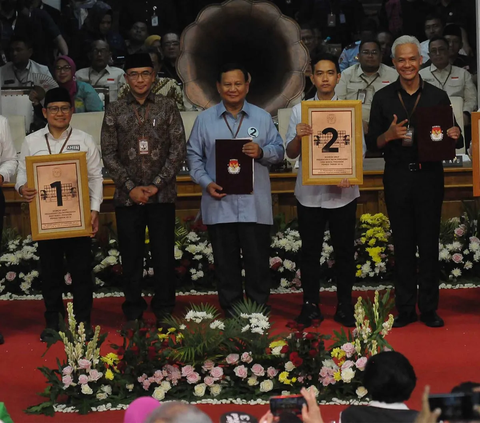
(335, 149)
(61, 208)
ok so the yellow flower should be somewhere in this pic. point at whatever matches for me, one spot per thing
(109, 375)
(282, 377)
(338, 353)
(110, 359)
(279, 343)
(147, 236)
(359, 273)
(337, 375)
(180, 336)
(163, 336)
(171, 330)
(294, 379)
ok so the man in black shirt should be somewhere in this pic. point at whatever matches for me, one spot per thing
(413, 190)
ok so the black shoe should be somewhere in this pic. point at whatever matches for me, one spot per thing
(344, 315)
(404, 319)
(432, 319)
(48, 334)
(310, 311)
(2, 340)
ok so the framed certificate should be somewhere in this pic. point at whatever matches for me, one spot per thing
(61, 208)
(476, 153)
(335, 149)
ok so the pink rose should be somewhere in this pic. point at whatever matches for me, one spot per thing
(246, 357)
(67, 381)
(361, 363)
(68, 279)
(349, 349)
(67, 370)
(187, 370)
(209, 381)
(457, 258)
(84, 364)
(158, 375)
(142, 378)
(146, 384)
(10, 276)
(347, 364)
(272, 372)
(459, 231)
(301, 379)
(474, 239)
(151, 379)
(326, 372)
(232, 358)
(258, 370)
(328, 381)
(193, 378)
(216, 372)
(208, 365)
(241, 371)
(83, 379)
(94, 375)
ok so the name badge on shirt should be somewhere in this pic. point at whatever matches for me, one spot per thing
(362, 95)
(73, 147)
(331, 20)
(143, 146)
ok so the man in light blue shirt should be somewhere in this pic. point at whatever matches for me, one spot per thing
(236, 223)
(319, 204)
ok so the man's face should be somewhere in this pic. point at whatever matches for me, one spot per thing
(433, 28)
(386, 40)
(454, 45)
(369, 57)
(407, 61)
(105, 24)
(233, 88)
(308, 38)
(139, 32)
(325, 77)
(170, 46)
(20, 53)
(58, 114)
(100, 54)
(140, 80)
(438, 52)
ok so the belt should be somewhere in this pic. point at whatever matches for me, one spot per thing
(416, 166)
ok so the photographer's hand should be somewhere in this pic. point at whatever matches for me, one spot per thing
(426, 415)
(311, 411)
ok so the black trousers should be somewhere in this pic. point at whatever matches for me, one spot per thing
(78, 255)
(2, 211)
(131, 224)
(312, 222)
(414, 205)
(253, 241)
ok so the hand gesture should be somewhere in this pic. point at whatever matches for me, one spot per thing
(213, 189)
(303, 130)
(426, 415)
(139, 195)
(453, 132)
(396, 130)
(151, 190)
(34, 97)
(311, 411)
(252, 150)
(27, 193)
(344, 183)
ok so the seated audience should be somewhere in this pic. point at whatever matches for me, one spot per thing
(153, 41)
(177, 412)
(311, 42)
(385, 39)
(390, 380)
(363, 80)
(453, 34)
(433, 28)
(136, 38)
(170, 46)
(100, 73)
(18, 72)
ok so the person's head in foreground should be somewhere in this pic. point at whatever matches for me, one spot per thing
(58, 109)
(140, 409)
(177, 412)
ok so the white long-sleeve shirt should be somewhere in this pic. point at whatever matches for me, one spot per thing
(8, 155)
(35, 145)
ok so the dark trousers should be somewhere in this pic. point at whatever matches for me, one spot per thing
(253, 241)
(312, 222)
(414, 205)
(78, 254)
(2, 212)
(131, 224)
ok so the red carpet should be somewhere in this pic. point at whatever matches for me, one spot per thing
(441, 357)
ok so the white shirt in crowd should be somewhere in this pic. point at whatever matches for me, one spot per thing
(36, 145)
(110, 77)
(326, 196)
(8, 155)
(12, 77)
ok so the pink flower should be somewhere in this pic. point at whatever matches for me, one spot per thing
(83, 379)
(258, 370)
(208, 365)
(246, 357)
(67, 370)
(347, 364)
(151, 379)
(67, 381)
(330, 263)
(459, 231)
(474, 239)
(209, 381)
(142, 378)
(94, 375)
(146, 384)
(457, 258)
(187, 370)
(68, 279)
(10, 276)
(241, 371)
(216, 372)
(328, 381)
(360, 363)
(272, 372)
(349, 349)
(158, 375)
(326, 372)
(84, 364)
(301, 379)
(193, 378)
(232, 358)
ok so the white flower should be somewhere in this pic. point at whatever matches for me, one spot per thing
(217, 324)
(468, 265)
(198, 316)
(100, 395)
(361, 391)
(266, 386)
(314, 390)
(86, 390)
(456, 273)
(107, 389)
(289, 366)
(159, 393)
(215, 389)
(129, 387)
(252, 381)
(193, 237)
(178, 253)
(166, 386)
(289, 265)
(182, 327)
(284, 283)
(348, 375)
(199, 390)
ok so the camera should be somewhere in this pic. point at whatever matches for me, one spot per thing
(457, 406)
(287, 404)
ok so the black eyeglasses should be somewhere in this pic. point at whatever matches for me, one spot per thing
(63, 68)
(56, 109)
(135, 75)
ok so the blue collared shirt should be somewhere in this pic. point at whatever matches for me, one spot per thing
(210, 126)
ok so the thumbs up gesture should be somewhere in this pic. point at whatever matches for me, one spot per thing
(397, 130)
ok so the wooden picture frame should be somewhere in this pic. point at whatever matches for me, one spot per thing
(335, 149)
(475, 118)
(61, 208)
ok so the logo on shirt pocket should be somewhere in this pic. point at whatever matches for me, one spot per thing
(73, 147)
(252, 132)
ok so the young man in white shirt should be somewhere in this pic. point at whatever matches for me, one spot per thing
(59, 137)
(318, 205)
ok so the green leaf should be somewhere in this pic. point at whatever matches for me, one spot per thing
(42, 408)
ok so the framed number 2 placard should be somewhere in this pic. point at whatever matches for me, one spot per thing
(61, 208)
(335, 149)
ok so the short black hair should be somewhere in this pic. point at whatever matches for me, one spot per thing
(453, 29)
(21, 39)
(168, 31)
(99, 39)
(326, 56)
(465, 387)
(434, 16)
(438, 38)
(389, 377)
(369, 40)
(228, 67)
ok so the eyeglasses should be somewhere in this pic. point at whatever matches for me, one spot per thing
(134, 75)
(63, 68)
(369, 52)
(56, 109)
(100, 50)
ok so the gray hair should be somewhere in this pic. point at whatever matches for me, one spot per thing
(177, 412)
(406, 39)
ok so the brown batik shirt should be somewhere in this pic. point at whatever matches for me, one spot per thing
(162, 127)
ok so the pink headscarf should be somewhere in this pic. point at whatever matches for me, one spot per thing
(140, 409)
(71, 85)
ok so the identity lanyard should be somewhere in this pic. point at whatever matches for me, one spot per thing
(409, 115)
(369, 83)
(63, 146)
(141, 121)
(103, 73)
(22, 81)
(446, 80)
(239, 125)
